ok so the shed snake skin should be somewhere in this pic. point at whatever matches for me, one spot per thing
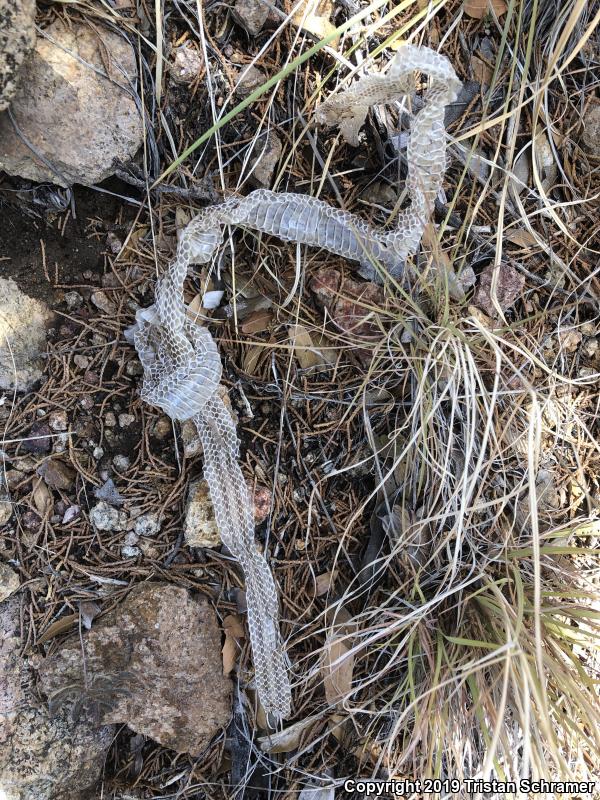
(182, 366)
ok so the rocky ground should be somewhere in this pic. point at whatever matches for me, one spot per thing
(424, 469)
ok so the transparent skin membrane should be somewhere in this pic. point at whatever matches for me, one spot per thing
(182, 367)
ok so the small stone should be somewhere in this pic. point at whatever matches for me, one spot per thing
(6, 510)
(251, 15)
(17, 40)
(591, 129)
(131, 538)
(162, 428)
(149, 549)
(192, 445)
(121, 463)
(569, 340)
(38, 440)
(109, 493)
(57, 420)
(130, 549)
(102, 301)
(9, 582)
(262, 504)
(125, 420)
(23, 338)
(57, 474)
(98, 453)
(73, 300)
(250, 78)
(134, 368)
(266, 156)
(147, 525)
(115, 246)
(60, 443)
(200, 527)
(588, 329)
(70, 514)
(80, 361)
(110, 420)
(13, 478)
(31, 520)
(187, 64)
(106, 518)
(87, 403)
(590, 348)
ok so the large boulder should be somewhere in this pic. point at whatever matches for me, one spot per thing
(23, 323)
(17, 39)
(42, 757)
(158, 653)
(74, 107)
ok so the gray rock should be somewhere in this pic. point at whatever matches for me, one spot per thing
(591, 129)
(79, 121)
(266, 156)
(121, 463)
(250, 79)
(187, 64)
(106, 518)
(251, 15)
(103, 302)
(21, 348)
(200, 527)
(41, 757)
(57, 420)
(147, 524)
(17, 39)
(161, 651)
(130, 549)
(9, 582)
(109, 493)
(6, 510)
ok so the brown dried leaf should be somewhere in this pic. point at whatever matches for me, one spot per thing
(182, 218)
(521, 237)
(233, 625)
(304, 349)
(252, 357)
(441, 261)
(257, 321)
(234, 630)
(323, 583)
(42, 498)
(60, 626)
(481, 71)
(133, 241)
(337, 669)
(288, 739)
(478, 9)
